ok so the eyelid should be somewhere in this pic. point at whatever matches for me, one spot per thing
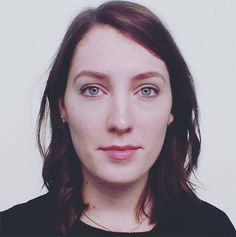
(87, 86)
(154, 87)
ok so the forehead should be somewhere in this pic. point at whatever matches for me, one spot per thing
(106, 49)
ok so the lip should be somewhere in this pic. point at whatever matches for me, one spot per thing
(120, 152)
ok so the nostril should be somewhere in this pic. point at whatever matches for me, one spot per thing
(120, 117)
(120, 130)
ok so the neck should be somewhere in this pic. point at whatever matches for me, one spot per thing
(117, 197)
(113, 203)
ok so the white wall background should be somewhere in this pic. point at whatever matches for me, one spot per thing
(30, 33)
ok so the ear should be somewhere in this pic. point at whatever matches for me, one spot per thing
(62, 109)
(171, 118)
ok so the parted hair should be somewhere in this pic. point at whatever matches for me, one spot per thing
(169, 178)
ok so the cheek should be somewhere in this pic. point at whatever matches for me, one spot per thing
(154, 142)
(83, 135)
(155, 131)
(82, 128)
(153, 128)
(84, 125)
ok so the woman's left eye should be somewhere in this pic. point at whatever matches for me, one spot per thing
(148, 91)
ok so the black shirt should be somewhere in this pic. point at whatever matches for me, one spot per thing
(37, 218)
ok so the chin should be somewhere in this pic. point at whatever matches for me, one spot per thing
(120, 180)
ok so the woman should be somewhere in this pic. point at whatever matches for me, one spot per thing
(125, 135)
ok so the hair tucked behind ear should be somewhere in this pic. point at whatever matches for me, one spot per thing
(169, 177)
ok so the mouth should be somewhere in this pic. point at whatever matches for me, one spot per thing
(120, 152)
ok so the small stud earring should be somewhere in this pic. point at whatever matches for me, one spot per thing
(63, 119)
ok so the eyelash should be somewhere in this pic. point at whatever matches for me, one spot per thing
(86, 89)
(153, 89)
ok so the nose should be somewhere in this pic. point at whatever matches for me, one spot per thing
(120, 118)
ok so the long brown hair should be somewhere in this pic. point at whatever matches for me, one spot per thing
(169, 176)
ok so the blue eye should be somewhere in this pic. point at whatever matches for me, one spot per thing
(91, 91)
(148, 91)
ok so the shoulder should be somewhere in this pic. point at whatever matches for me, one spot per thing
(209, 211)
(217, 219)
(206, 219)
(28, 218)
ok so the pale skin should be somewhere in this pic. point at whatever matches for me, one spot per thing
(118, 96)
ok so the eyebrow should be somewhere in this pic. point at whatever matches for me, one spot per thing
(103, 76)
(147, 75)
(93, 74)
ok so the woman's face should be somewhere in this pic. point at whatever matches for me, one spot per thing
(117, 105)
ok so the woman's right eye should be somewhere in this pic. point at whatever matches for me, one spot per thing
(91, 91)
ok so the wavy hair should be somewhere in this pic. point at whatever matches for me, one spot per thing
(169, 177)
